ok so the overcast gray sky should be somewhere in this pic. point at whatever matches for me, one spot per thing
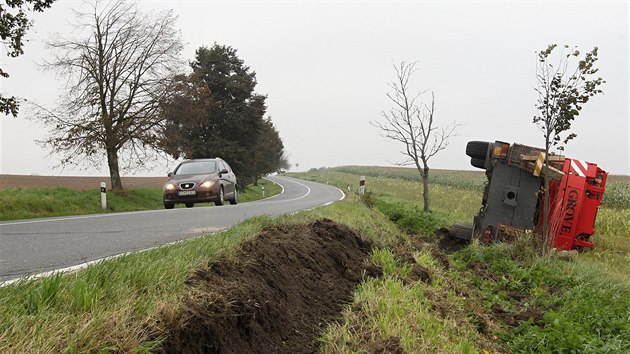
(325, 67)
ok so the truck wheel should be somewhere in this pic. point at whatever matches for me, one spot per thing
(479, 163)
(168, 205)
(477, 149)
(463, 231)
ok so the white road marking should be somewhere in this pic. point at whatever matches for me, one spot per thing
(64, 218)
(308, 191)
(78, 267)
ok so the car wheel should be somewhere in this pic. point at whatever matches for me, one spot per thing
(168, 205)
(479, 163)
(234, 199)
(190, 205)
(463, 231)
(477, 149)
(221, 200)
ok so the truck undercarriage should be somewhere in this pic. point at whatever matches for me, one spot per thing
(513, 201)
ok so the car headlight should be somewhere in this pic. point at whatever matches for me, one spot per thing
(207, 184)
(169, 187)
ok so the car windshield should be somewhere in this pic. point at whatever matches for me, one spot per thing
(196, 168)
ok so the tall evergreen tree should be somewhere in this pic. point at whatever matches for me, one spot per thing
(215, 112)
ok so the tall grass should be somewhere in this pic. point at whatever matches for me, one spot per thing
(395, 314)
(617, 195)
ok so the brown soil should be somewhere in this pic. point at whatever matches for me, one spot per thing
(514, 319)
(74, 182)
(390, 345)
(448, 243)
(275, 296)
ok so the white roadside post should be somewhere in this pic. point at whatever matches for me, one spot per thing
(362, 185)
(263, 190)
(103, 195)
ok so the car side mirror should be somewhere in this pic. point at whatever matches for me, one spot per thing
(169, 174)
(223, 171)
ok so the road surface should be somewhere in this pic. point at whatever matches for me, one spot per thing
(34, 246)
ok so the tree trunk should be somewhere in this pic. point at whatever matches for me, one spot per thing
(546, 201)
(114, 171)
(546, 205)
(425, 187)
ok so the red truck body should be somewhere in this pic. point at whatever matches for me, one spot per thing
(513, 201)
(574, 201)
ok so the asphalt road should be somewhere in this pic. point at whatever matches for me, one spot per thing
(40, 245)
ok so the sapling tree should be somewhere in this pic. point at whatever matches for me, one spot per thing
(566, 82)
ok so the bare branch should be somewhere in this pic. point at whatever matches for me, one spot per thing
(412, 124)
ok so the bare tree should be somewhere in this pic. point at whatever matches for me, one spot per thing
(412, 123)
(117, 72)
(564, 86)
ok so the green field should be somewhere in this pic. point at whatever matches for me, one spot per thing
(479, 299)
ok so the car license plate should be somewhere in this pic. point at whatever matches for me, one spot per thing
(183, 193)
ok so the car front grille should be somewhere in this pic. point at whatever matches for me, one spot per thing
(187, 185)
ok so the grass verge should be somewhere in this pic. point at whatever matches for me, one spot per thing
(114, 305)
(27, 203)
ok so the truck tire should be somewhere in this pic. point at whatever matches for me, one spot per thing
(477, 149)
(479, 163)
(463, 231)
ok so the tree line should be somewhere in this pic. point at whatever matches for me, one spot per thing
(217, 103)
(128, 97)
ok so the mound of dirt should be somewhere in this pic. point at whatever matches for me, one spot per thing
(276, 295)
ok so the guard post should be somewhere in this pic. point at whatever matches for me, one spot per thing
(362, 185)
(103, 195)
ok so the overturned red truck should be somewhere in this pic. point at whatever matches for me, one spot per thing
(513, 198)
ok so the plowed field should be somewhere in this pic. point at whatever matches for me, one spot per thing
(74, 182)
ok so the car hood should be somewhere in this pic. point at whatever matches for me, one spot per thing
(190, 178)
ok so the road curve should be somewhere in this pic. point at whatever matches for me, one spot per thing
(40, 245)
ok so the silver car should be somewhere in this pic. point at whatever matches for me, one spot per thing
(200, 181)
